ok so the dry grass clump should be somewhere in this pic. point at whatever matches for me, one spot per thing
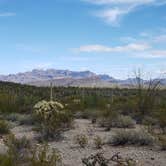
(43, 156)
(26, 120)
(114, 120)
(98, 142)
(123, 122)
(22, 119)
(133, 137)
(16, 145)
(81, 140)
(20, 152)
(12, 117)
(17, 151)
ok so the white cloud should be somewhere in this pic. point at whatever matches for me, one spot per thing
(7, 14)
(112, 15)
(139, 50)
(102, 48)
(112, 10)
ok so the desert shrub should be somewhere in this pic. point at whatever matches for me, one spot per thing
(98, 142)
(133, 137)
(22, 119)
(107, 117)
(16, 153)
(21, 153)
(162, 141)
(42, 156)
(148, 120)
(81, 140)
(4, 127)
(87, 114)
(26, 120)
(52, 117)
(161, 116)
(16, 144)
(123, 122)
(5, 160)
(113, 119)
(96, 159)
(146, 95)
(12, 117)
(99, 159)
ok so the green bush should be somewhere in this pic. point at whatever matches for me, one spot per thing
(4, 127)
(133, 137)
(52, 117)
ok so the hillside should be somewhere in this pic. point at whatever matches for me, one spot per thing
(67, 78)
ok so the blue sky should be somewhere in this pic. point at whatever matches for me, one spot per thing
(104, 36)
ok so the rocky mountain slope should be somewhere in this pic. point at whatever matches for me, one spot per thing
(67, 78)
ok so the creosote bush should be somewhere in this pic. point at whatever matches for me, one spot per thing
(81, 140)
(53, 117)
(133, 137)
(114, 119)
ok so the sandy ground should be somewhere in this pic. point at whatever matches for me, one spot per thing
(72, 153)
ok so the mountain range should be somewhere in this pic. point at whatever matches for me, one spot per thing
(38, 77)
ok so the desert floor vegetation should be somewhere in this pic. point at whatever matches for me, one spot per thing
(82, 124)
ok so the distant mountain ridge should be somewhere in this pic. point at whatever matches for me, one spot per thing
(43, 75)
(39, 77)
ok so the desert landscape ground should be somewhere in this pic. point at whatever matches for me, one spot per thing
(74, 126)
(72, 153)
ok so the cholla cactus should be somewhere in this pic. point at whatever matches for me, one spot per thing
(51, 116)
(45, 110)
